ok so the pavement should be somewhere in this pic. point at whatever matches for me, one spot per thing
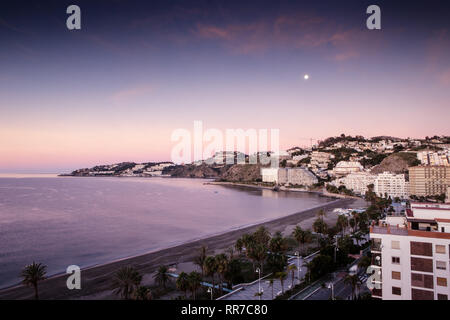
(247, 292)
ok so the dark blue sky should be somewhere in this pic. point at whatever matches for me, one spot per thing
(137, 70)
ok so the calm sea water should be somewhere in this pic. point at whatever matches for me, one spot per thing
(87, 221)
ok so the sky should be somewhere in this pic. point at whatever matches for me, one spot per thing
(138, 70)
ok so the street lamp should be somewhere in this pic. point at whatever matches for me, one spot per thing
(259, 281)
(210, 290)
(297, 254)
(331, 286)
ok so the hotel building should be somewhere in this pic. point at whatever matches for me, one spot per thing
(429, 180)
(391, 184)
(411, 254)
(289, 176)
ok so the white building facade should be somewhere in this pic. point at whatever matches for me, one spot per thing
(413, 254)
(391, 184)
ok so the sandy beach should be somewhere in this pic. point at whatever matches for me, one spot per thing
(96, 281)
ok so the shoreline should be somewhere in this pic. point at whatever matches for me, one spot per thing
(97, 278)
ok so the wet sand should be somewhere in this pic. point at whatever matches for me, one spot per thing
(96, 281)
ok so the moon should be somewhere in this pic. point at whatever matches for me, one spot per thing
(306, 76)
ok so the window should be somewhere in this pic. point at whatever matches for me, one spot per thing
(442, 296)
(441, 265)
(422, 280)
(396, 275)
(395, 244)
(396, 260)
(421, 248)
(421, 264)
(441, 281)
(397, 291)
(440, 248)
(417, 294)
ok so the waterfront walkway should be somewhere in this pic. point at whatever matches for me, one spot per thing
(249, 291)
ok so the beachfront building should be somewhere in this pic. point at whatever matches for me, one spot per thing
(429, 180)
(320, 159)
(357, 182)
(434, 158)
(391, 185)
(411, 254)
(288, 176)
(300, 177)
(346, 167)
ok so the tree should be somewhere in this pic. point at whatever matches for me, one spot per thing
(162, 276)
(32, 274)
(364, 263)
(210, 268)
(320, 227)
(258, 253)
(278, 243)
(281, 276)
(239, 245)
(182, 282)
(302, 237)
(291, 269)
(355, 283)
(342, 223)
(126, 281)
(222, 267)
(321, 265)
(308, 266)
(262, 236)
(142, 293)
(321, 214)
(200, 259)
(194, 280)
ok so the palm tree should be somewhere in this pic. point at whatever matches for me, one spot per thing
(262, 236)
(162, 276)
(142, 293)
(320, 227)
(355, 283)
(291, 269)
(239, 245)
(302, 236)
(222, 267)
(342, 223)
(32, 274)
(259, 253)
(210, 268)
(308, 266)
(194, 281)
(125, 281)
(321, 214)
(200, 259)
(281, 276)
(183, 282)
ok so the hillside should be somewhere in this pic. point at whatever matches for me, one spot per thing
(242, 173)
(396, 163)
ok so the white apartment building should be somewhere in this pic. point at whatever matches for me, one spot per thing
(357, 182)
(411, 254)
(391, 184)
(434, 158)
(320, 159)
(346, 167)
(288, 176)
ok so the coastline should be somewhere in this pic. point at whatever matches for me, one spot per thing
(97, 279)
